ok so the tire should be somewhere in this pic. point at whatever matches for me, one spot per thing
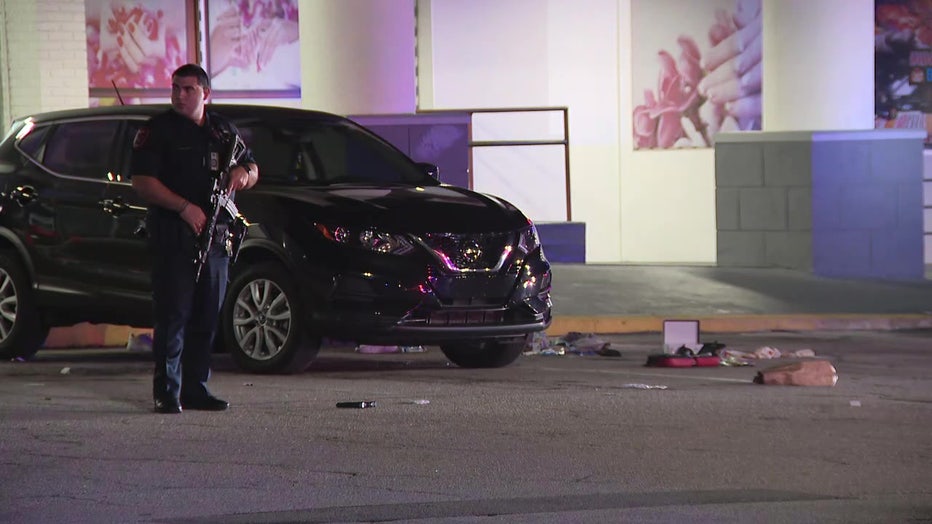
(261, 322)
(485, 353)
(22, 332)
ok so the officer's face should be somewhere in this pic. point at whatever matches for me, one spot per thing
(188, 97)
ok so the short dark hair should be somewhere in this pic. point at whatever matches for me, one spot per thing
(196, 71)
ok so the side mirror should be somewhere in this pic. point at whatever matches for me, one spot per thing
(430, 170)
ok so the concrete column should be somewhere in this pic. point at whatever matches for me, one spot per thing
(358, 56)
(818, 65)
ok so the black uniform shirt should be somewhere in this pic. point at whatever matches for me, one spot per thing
(181, 155)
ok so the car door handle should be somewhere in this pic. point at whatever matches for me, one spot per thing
(23, 195)
(114, 207)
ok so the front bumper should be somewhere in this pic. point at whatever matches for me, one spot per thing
(434, 307)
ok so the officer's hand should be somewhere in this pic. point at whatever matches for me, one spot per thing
(239, 179)
(194, 217)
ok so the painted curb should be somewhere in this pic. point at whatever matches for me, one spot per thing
(562, 325)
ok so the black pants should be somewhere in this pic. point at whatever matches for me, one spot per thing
(186, 319)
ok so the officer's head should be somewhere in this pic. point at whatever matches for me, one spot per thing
(190, 90)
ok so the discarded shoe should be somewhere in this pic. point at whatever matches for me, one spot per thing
(711, 348)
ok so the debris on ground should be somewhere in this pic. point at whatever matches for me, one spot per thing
(141, 342)
(804, 373)
(735, 357)
(643, 386)
(574, 342)
(357, 404)
(375, 349)
(686, 357)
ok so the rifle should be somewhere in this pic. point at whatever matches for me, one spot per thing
(222, 202)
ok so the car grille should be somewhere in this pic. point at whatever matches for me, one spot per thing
(470, 253)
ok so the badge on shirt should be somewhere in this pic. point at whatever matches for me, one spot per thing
(214, 161)
(141, 136)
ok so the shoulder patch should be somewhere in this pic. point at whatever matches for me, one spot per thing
(142, 135)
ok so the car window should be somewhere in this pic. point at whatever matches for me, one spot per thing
(31, 144)
(350, 155)
(130, 127)
(277, 157)
(81, 149)
(302, 152)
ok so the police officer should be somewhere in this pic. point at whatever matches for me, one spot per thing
(174, 155)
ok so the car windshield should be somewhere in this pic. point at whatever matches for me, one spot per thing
(300, 152)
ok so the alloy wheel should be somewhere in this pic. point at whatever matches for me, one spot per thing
(8, 304)
(262, 319)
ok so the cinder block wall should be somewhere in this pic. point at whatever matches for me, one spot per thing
(44, 45)
(763, 204)
(839, 204)
(868, 212)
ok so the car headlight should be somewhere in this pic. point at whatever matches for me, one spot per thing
(367, 238)
(528, 240)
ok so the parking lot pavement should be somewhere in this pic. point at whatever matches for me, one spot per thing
(547, 439)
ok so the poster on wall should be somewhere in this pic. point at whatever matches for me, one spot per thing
(903, 65)
(134, 45)
(253, 48)
(696, 70)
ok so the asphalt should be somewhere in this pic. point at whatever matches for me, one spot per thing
(619, 298)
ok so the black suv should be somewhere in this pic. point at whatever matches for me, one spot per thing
(349, 239)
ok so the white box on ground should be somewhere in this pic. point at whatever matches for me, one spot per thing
(678, 333)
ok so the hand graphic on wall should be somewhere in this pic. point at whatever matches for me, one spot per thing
(226, 42)
(133, 43)
(734, 66)
(140, 38)
(248, 33)
(704, 93)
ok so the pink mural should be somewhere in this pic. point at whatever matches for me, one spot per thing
(253, 46)
(136, 44)
(712, 80)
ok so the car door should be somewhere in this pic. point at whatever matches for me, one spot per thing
(130, 262)
(59, 196)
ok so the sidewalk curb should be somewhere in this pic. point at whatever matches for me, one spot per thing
(562, 325)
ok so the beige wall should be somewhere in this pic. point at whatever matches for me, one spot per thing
(639, 206)
(358, 56)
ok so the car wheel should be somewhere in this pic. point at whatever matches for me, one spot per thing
(22, 332)
(262, 322)
(485, 353)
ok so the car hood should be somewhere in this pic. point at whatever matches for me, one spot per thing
(441, 208)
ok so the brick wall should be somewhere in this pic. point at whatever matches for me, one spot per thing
(45, 50)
